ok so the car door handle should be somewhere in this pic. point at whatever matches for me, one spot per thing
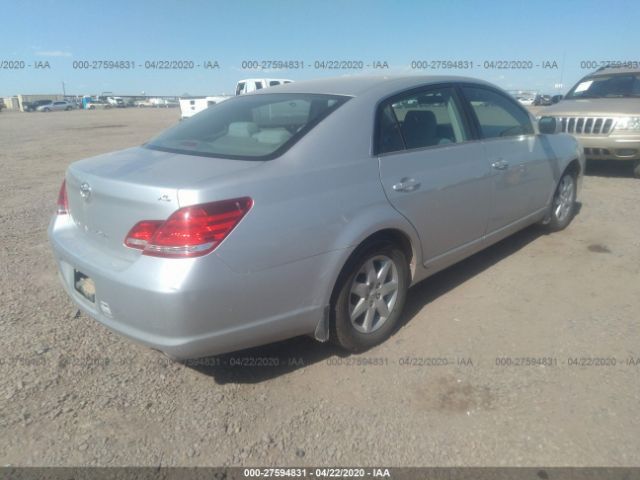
(406, 185)
(500, 165)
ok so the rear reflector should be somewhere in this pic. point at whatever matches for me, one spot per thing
(63, 201)
(190, 231)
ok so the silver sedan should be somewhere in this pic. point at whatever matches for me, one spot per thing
(58, 105)
(304, 209)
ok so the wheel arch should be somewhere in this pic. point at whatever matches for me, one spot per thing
(575, 167)
(377, 224)
(407, 241)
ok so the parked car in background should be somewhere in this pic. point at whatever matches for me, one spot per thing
(602, 111)
(306, 210)
(33, 106)
(526, 98)
(163, 102)
(253, 84)
(191, 105)
(143, 103)
(542, 100)
(54, 106)
(169, 103)
(116, 102)
(95, 104)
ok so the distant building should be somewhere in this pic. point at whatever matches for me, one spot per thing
(11, 103)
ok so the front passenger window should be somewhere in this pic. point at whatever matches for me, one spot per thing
(497, 115)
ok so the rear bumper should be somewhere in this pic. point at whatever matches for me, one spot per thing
(610, 148)
(193, 307)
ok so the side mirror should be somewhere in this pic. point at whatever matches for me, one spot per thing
(556, 98)
(549, 125)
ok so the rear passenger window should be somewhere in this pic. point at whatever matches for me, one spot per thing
(426, 119)
(389, 136)
(258, 85)
(497, 115)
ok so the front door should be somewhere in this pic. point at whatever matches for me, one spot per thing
(520, 165)
(431, 172)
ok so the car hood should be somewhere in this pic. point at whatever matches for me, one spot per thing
(594, 106)
(143, 166)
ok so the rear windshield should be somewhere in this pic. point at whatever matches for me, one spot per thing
(607, 86)
(248, 127)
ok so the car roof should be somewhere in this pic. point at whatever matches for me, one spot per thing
(357, 85)
(614, 70)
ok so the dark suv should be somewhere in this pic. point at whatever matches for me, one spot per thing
(32, 106)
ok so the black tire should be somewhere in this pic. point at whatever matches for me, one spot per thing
(68, 108)
(343, 331)
(563, 204)
(636, 169)
(47, 110)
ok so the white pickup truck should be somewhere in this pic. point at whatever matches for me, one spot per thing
(116, 102)
(189, 106)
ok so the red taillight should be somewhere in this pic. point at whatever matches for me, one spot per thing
(141, 233)
(63, 201)
(190, 231)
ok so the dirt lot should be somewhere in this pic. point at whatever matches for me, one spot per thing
(73, 393)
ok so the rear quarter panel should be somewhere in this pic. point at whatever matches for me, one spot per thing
(323, 195)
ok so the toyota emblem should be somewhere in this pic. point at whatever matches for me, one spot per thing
(85, 190)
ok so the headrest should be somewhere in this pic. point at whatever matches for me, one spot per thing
(420, 116)
(274, 136)
(242, 129)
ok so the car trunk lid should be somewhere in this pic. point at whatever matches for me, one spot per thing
(110, 193)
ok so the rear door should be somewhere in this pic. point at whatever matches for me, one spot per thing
(431, 171)
(520, 163)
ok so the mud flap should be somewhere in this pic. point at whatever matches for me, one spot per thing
(321, 333)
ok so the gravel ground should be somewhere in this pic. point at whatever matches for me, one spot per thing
(72, 393)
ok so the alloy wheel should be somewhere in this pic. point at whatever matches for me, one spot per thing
(373, 294)
(563, 201)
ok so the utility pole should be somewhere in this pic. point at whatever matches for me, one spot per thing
(564, 56)
(64, 92)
